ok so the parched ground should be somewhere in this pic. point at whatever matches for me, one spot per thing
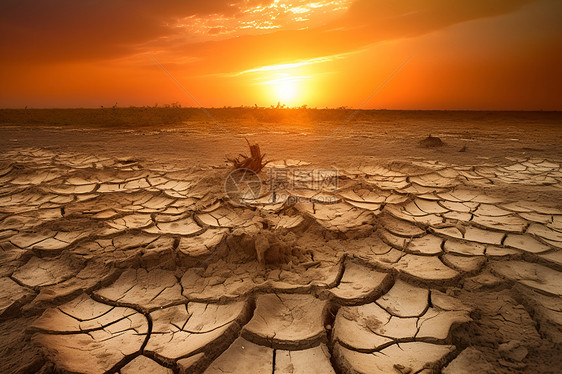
(117, 265)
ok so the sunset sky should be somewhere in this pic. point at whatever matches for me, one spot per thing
(477, 54)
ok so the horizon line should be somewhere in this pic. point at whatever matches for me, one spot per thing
(271, 107)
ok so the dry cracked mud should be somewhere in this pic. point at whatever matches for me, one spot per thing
(108, 266)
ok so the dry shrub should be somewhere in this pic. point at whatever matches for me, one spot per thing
(254, 162)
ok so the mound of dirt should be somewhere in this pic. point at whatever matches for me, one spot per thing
(431, 142)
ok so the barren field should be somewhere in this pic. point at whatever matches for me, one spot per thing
(125, 249)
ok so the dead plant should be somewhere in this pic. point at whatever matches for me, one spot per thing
(254, 162)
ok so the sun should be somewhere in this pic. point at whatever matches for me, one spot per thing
(286, 91)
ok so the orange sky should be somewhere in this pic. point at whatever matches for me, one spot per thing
(478, 54)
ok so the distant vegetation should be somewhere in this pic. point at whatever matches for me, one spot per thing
(174, 114)
(162, 115)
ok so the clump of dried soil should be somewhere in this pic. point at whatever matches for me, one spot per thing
(431, 142)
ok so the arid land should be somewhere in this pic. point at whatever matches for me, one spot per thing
(121, 251)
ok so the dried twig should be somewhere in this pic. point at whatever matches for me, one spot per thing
(254, 162)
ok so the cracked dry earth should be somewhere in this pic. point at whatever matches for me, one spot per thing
(111, 267)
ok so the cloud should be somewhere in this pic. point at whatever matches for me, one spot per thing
(42, 31)
(391, 19)
(70, 29)
(365, 23)
(293, 65)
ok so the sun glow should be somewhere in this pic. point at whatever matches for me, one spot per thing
(286, 91)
